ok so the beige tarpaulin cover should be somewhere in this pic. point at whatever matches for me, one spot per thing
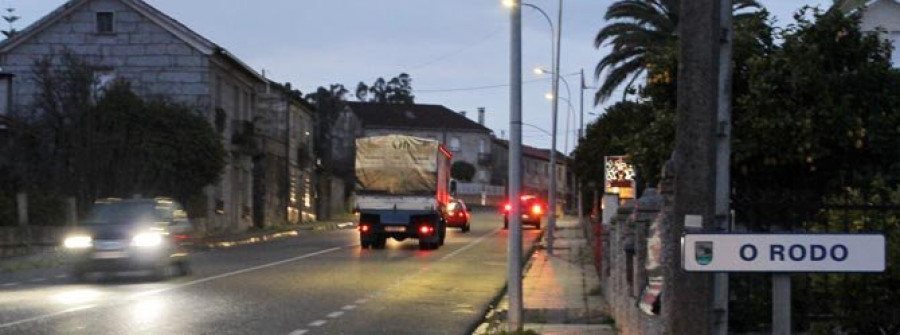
(397, 164)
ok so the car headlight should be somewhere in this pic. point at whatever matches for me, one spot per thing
(146, 240)
(78, 242)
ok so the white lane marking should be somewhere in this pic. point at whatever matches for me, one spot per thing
(61, 276)
(10, 284)
(318, 323)
(468, 246)
(361, 301)
(234, 273)
(47, 316)
(190, 283)
(336, 314)
(38, 280)
(349, 307)
(299, 332)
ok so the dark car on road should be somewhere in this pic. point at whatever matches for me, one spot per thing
(131, 235)
(533, 209)
(457, 215)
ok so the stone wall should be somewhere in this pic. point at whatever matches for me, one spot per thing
(623, 270)
(152, 59)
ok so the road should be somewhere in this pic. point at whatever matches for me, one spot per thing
(314, 283)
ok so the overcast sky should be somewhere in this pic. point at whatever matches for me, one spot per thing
(457, 51)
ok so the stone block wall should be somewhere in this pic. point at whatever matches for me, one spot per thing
(623, 272)
(155, 61)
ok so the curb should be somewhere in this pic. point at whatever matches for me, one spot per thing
(227, 241)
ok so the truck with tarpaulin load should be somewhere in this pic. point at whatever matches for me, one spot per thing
(401, 190)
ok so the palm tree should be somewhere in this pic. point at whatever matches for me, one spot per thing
(638, 29)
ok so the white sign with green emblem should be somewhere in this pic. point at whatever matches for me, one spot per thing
(783, 252)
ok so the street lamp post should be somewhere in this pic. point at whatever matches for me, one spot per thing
(551, 221)
(514, 243)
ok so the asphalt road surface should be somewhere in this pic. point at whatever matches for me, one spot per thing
(314, 283)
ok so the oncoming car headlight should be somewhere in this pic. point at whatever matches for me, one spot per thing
(78, 242)
(146, 240)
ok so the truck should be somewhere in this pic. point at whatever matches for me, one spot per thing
(401, 190)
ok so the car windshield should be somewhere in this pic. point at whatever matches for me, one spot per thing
(452, 206)
(124, 213)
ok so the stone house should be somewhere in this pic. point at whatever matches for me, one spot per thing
(283, 175)
(130, 39)
(878, 16)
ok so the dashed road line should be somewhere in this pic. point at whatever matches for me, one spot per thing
(61, 276)
(299, 332)
(361, 301)
(175, 287)
(318, 323)
(349, 307)
(10, 284)
(336, 314)
(38, 280)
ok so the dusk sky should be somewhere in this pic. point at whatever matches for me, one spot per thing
(456, 51)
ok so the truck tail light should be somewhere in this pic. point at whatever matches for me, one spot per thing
(426, 230)
(536, 209)
(365, 227)
(507, 207)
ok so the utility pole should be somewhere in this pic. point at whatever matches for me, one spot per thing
(723, 163)
(551, 214)
(580, 135)
(514, 245)
(687, 298)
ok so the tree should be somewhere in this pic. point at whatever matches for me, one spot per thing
(462, 170)
(612, 134)
(329, 103)
(398, 90)
(93, 142)
(639, 29)
(10, 18)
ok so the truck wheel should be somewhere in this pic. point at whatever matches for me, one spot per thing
(365, 244)
(466, 228)
(423, 245)
(505, 223)
(380, 242)
(443, 236)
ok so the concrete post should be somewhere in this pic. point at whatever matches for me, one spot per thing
(71, 211)
(781, 304)
(22, 207)
(514, 320)
(687, 298)
(723, 163)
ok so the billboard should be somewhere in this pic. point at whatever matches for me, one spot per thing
(619, 177)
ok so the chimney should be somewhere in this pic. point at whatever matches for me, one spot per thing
(481, 115)
(463, 113)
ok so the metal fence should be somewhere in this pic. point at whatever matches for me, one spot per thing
(830, 303)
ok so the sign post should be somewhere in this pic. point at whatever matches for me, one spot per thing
(783, 254)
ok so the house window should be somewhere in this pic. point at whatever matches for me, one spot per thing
(105, 23)
(454, 144)
(481, 146)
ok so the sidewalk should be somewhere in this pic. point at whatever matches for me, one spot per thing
(560, 291)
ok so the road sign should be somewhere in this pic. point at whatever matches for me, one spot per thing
(783, 252)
